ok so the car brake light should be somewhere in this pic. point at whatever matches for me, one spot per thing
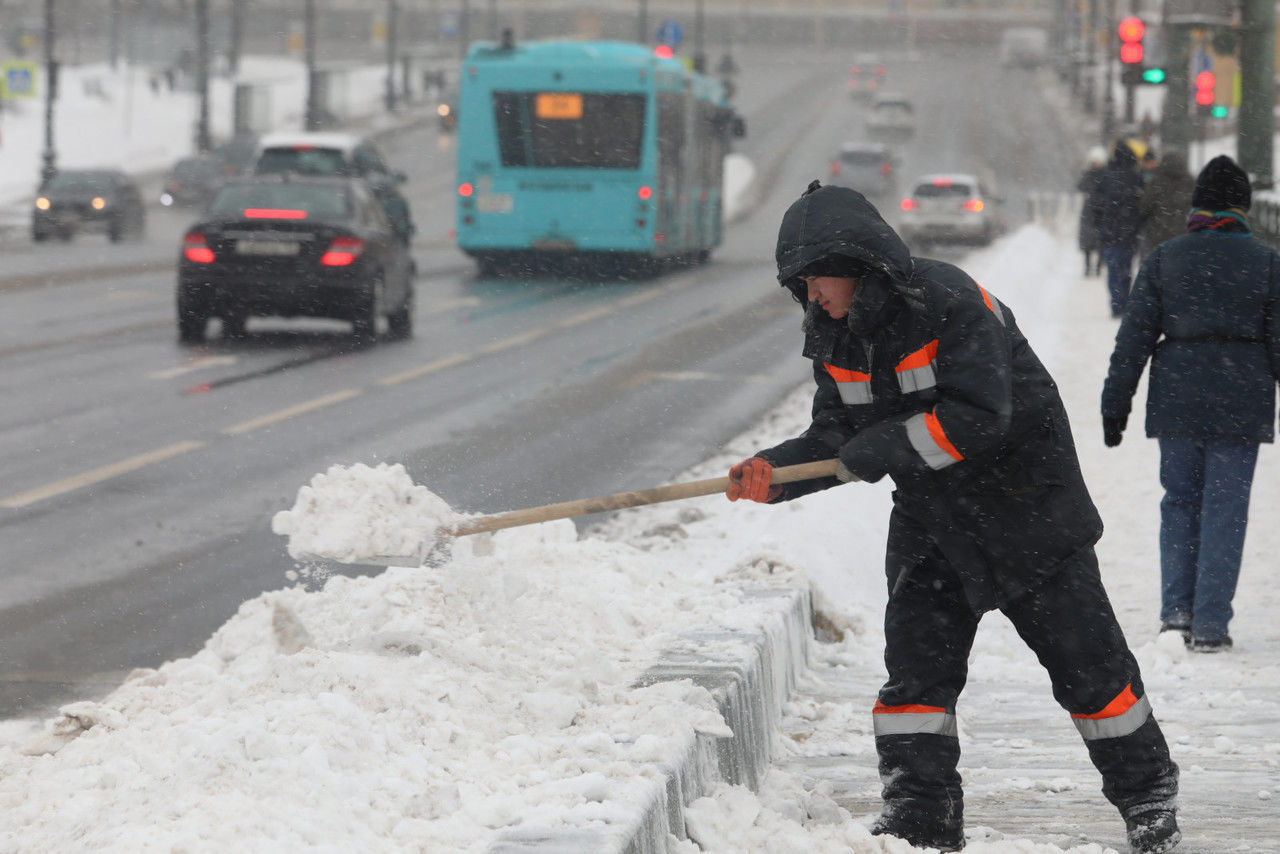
(908, 204)
(853, 69)
(194, 248)
(879, 70)
(302, 148)
(974, 205)
(342, 251)
(942, 182)
(886, 168)
(835, 167)
(273, 213)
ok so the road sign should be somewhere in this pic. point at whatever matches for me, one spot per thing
(18, 79)
(670, 32)
(450, 25)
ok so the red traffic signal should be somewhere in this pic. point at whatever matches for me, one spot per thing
(1132, 30)
(1204, 88)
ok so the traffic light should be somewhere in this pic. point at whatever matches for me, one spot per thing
(1154, 76)
(1204, 88)
(1131, 30)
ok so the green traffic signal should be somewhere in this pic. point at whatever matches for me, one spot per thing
(1219, 112)
(1153, 75)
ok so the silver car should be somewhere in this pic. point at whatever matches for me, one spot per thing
(867, 167)
(891, 117)
(951, 207)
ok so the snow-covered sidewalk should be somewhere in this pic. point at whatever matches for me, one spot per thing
(429, 709)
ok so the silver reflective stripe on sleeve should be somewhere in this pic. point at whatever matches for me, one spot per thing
(1119, 725)
(917, 379)
(918, 434)
(856, 392)
(910, 723)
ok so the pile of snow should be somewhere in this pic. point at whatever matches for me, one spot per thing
(351, 513)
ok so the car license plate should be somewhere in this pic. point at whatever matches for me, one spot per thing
(274, 248)
(495, 203)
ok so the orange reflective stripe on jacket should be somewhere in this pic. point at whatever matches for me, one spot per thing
(854, 386)
(992, 304)
(930, 442)
(1122, 716)
(912, 719)
(917, 371)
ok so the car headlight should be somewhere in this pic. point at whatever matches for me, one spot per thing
(42, 203)
(166, 199)
(98, 203)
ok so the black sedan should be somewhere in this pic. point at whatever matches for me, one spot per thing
(291, 246)
(74, 200)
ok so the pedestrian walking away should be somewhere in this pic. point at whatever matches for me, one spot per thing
(1113, 207)
(1165, 203)
(1205, 311)
(1087, 230)
(924, 376)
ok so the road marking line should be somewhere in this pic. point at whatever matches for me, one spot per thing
(67, 484)
(585, 316)
(515, 340)
(450, 304)
(193, 365)
(428, 368)
(290, 411)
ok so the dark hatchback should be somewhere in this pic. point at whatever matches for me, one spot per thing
(75, 200)
(193, 181)
(290, 246)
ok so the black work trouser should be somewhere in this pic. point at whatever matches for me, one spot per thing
(1067, 621)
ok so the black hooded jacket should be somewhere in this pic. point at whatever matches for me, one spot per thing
(928, 380)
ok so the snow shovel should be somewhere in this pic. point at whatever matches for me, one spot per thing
(584, 506)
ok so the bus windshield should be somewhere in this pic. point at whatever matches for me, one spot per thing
(568, 129)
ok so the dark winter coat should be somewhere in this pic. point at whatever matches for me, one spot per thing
(1087, 233)
(929, 381)
(1166, 202)
(1113, 205)
(1206, 310)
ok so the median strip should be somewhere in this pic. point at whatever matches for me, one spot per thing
(79, 481)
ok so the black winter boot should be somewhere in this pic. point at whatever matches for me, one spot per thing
(920, 832)
(1152, 832)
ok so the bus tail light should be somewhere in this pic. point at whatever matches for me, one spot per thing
(342, 252)
(196, 249)
(465, 190)
(645, 192)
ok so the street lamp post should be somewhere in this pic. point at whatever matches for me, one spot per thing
(312, 114)
(202, 74)
(391, 55)
(50, 157)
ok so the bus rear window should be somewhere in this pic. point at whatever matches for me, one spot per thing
(592, 130)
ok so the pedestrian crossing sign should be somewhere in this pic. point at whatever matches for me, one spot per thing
(17, 79)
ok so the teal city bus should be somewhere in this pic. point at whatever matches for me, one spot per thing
(588, 150)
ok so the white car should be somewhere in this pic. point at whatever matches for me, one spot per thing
(952, 207)
(891, 117)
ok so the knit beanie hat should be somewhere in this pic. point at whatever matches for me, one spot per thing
(1222, 184)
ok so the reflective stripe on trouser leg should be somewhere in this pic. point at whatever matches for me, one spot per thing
(912, 719)
(1122, 716)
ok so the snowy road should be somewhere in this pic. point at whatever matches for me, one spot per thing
(133, 512)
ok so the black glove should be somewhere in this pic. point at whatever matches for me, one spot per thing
(1113, 430)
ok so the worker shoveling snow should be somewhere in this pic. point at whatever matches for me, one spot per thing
(349, 512)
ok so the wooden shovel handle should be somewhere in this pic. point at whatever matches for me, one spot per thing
(623, 500)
